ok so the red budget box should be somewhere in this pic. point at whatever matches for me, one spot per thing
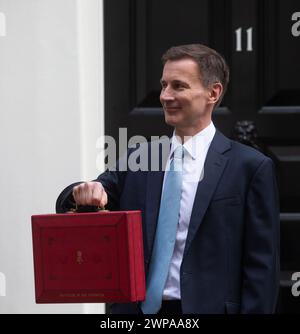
(88, 257)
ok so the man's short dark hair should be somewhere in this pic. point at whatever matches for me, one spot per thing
(212, 66)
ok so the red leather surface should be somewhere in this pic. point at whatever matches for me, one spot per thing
(88, 257)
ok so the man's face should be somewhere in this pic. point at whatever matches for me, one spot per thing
(184, 98)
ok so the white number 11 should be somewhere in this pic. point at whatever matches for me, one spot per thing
(238, 34)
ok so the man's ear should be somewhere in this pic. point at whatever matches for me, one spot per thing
(215, 93)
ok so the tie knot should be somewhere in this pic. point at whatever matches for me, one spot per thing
(178, 153)
(177, 161)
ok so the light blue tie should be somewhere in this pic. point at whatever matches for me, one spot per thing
(165, 235)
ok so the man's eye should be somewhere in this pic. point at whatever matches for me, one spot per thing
(178, 86)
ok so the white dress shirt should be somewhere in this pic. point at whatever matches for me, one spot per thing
(195, 151)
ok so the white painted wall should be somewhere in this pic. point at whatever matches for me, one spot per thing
(51, 113)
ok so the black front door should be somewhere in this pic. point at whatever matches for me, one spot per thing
(260, 39)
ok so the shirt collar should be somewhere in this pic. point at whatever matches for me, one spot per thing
(194, 145)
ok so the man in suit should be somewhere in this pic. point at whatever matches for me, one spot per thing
(224, 248)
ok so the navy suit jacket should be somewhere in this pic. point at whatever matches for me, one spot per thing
(231, 257)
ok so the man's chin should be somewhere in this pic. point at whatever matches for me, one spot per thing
(171, 121)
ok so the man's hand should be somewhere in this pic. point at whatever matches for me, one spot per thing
(90, 193)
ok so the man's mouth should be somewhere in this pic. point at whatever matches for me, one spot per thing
(171, 109)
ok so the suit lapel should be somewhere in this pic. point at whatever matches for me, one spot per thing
(213, 169)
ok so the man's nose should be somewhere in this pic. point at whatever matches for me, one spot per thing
(166, 95)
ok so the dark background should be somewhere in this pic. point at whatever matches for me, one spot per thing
(262, 104)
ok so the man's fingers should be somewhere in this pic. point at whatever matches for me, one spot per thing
(103, 201)
(86, 194)
(78, 194)
(99, 196)
(96, 195)
(90, 193)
